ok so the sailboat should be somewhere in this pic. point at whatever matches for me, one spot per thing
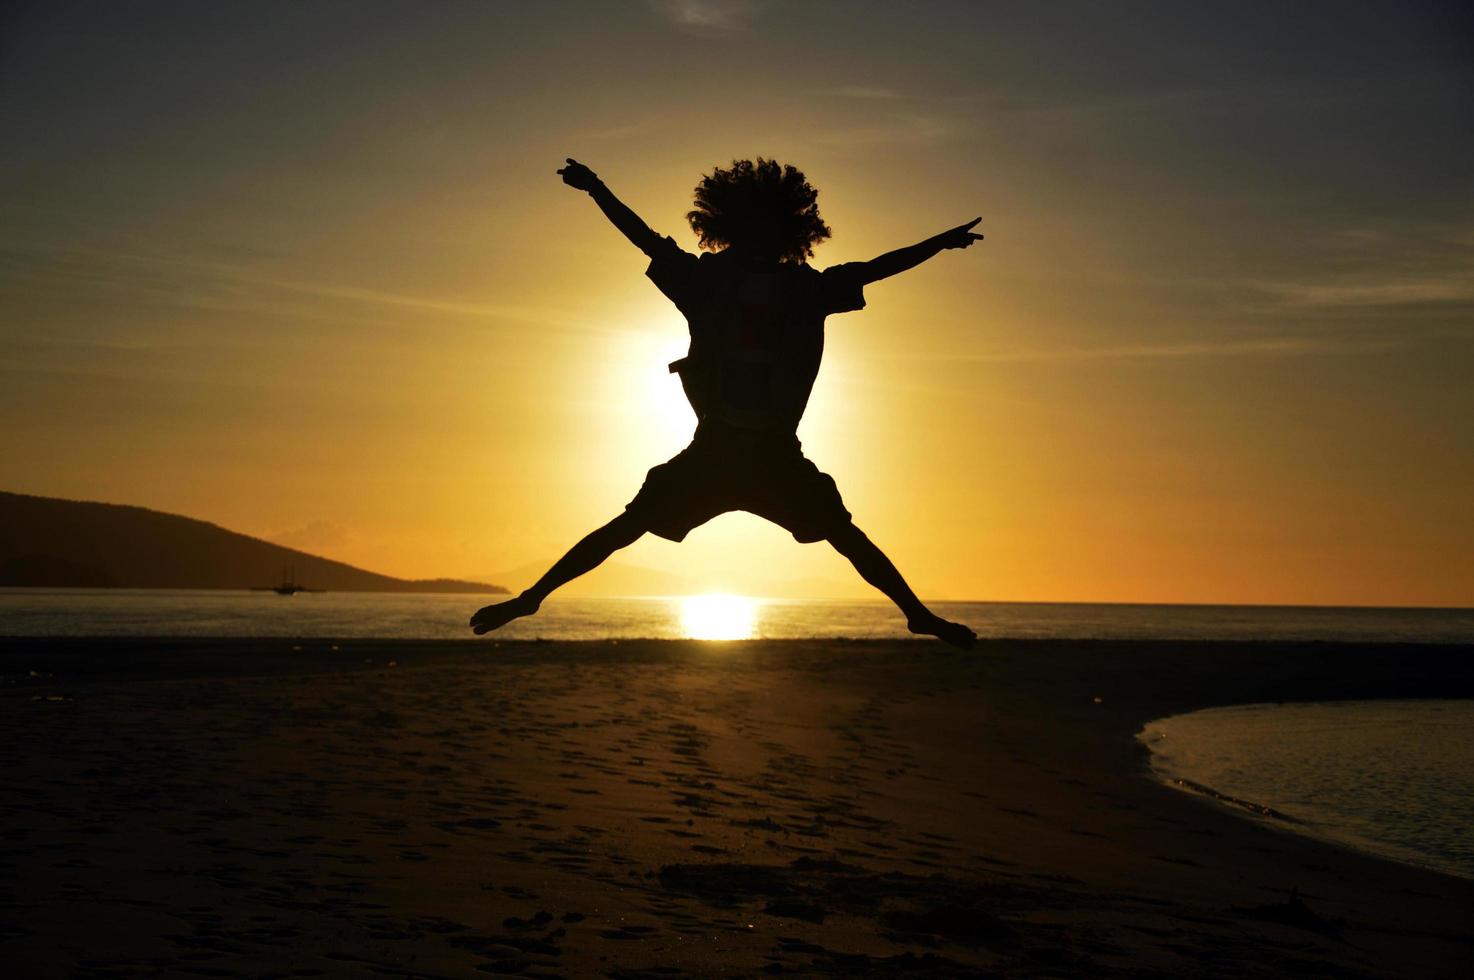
(289, 584)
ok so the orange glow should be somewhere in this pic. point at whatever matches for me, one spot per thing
(718, 617)
(348, 305)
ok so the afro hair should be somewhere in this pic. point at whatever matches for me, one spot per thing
(758, 204)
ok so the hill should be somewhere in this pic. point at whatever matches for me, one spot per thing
(45, 541)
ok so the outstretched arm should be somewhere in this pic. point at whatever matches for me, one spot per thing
(577, 176)
(911, 256)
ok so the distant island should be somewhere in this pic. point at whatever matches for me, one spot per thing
(53, 543)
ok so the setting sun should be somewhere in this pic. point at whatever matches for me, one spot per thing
(718, 617)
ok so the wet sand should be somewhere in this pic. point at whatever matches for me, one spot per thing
(244, 808)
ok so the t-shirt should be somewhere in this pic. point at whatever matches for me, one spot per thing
(756, 337)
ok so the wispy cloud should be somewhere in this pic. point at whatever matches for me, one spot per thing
(1422, 268)
(318, 537)
(642, 126)
(1363, 295)
(707, 16)
(1181, 350)
(900, 127)
(873, 93)
(188, 281)
(377, 297)
(877, 115)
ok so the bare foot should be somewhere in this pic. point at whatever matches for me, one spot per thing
(943, 629)
(499, 614)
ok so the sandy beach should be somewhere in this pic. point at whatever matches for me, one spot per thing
(640, 809)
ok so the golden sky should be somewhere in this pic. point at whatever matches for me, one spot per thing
(306, 271)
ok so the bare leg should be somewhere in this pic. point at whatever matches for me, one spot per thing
(876, 568)
(583, 557)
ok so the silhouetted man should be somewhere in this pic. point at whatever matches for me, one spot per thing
(756, 312)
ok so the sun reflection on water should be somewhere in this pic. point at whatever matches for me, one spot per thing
(718, 617)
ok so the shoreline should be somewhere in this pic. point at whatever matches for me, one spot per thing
(821, 806)
(1349, 829)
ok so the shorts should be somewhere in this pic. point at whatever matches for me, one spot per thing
(727, 469)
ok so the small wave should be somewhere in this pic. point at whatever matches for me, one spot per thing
(1256, 808)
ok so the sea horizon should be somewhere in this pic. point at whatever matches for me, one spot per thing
(39, 612)
(103, 590)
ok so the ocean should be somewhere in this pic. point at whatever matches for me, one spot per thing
(142, 612)
(1394, 778)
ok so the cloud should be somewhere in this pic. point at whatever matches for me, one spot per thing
(1424, 268)
(707, 16)
(1250, 347)
(379, 297)
(874, 93)
(184, 280)
(315, 537)
(901, 127)
(886, 116)
(1361, 295)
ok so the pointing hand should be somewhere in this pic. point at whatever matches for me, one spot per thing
(578, 176)
(960, 237)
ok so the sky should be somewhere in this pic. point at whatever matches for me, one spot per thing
(306, 271)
